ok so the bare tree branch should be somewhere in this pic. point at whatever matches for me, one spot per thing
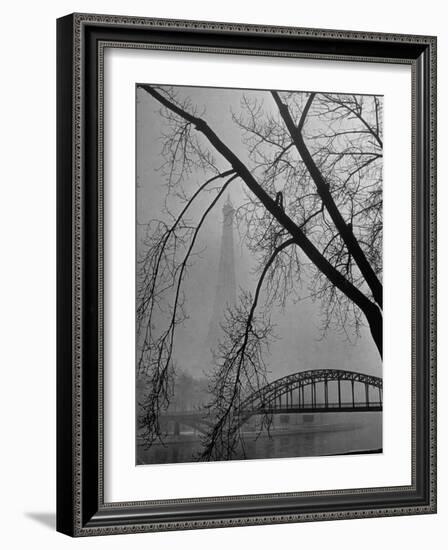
(370, 310)
(327, 199)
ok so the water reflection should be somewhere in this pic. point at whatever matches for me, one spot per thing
(292, 435)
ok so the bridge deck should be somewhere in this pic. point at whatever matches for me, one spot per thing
(374, 406)
(330, 408)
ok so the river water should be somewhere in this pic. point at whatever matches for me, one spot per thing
(293, 435)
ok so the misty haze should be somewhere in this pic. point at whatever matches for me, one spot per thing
(259, 274)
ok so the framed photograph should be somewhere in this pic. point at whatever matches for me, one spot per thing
(246, 274)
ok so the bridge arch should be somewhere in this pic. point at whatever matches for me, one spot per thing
(268, 399)
(292, 387)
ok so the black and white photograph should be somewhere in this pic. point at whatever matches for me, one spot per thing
(259, 262)
(223, 237)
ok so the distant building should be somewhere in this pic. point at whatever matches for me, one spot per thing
(225, 295)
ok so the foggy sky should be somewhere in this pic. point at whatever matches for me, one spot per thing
(299, 345)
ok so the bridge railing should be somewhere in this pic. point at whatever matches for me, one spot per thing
(349, 405)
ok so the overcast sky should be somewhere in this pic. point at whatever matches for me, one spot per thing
(299, 345)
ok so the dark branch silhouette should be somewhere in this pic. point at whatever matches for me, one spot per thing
(328, 212)
(323, 189)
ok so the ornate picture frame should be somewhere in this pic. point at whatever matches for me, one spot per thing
(81, 506)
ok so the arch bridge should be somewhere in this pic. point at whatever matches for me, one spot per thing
(310, 391)
(299, 392)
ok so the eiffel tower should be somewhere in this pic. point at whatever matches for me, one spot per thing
(225, 288)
